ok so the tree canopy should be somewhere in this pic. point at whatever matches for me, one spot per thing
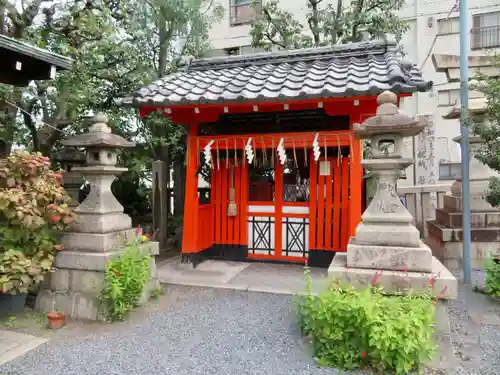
(326, 24)
(116, 46)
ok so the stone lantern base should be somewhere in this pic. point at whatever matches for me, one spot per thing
(395, 282)
(74, 287)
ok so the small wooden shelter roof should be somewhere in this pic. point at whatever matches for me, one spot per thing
(22, 62)
(341, 71)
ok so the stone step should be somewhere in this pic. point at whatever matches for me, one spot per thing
(453, 219)
(446, 234)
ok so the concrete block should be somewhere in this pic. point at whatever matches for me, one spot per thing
(152, 268)
(389, 257)
(102, 223)
(45, 300)
(80, 260)
(64, 302)
(97, 242)
(90, 282)
(387, 235)
(86, 307)
(154, 247)
(59, 280)
(445, 285)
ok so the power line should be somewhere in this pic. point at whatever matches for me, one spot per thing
(35, 120)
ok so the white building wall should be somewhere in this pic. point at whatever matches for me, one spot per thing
(423, 39)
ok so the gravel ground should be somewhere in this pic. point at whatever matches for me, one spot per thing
(204, 332)
(208, 331)
(476, 347)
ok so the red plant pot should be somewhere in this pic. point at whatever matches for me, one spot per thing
(56, 320)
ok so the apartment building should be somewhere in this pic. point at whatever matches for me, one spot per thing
(434, 29)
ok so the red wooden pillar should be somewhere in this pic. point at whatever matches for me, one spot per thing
(190, 226)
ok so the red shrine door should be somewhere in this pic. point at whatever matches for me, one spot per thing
(283, 211)
(329, 210)
(298, 206)
(278, 209)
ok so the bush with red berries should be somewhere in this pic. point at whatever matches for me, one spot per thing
(351, 329)
(33, 209)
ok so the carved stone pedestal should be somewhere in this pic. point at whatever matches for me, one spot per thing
(100, 231)
(387, 248)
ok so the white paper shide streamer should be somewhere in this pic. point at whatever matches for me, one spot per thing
(281, 151)
(316, 149)
(207, 152)
(249, 151)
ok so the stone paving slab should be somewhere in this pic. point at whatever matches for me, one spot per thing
(13, 345)
(211, 272)
(253, 277)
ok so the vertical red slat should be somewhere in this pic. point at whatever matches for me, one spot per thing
(213, 215)
(345, 203)
(337, 183)
(328, 206)
(238, 218)
(225, 188)
(244, 204)
(320, 243)
(218, 221)
(313, 188)
(230, 220)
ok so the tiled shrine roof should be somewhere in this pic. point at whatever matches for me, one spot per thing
(355, 69)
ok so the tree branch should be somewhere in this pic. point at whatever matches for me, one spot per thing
(358, 10)
(268, 35)
(27, 112)
(313, 21)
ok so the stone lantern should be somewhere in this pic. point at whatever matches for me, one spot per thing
(387, 246)
(100, 212)
(72, 181)
(99, 233)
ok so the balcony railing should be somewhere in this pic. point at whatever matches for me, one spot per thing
(240, 14)
(485, 37)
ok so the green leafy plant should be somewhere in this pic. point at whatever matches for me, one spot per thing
(157, 291)
(352, 329)
(33, 208)
(492, 270)
(125, 280)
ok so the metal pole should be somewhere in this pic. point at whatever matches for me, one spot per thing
(464, 131)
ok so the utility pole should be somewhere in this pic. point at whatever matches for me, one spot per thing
(464, 131)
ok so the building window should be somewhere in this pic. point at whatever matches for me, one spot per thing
(449, 26)
(448, 98)
(241, 12)
(234, 51)
(485, 31)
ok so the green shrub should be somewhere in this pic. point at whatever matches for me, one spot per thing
(355, 329)
(126, 277)
(492, 270)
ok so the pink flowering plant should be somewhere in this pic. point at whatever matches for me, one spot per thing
(33, 209)
(351, 329)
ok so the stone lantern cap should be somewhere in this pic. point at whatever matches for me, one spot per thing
(98, 136)
(71, 156)
(388, 120)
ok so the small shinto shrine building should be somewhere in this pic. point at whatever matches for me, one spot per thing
(22, 63)
(274, 133)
